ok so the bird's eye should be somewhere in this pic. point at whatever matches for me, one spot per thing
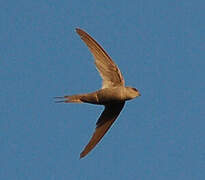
(134, 89)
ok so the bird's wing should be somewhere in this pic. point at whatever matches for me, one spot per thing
(108, 70)
(104, 122)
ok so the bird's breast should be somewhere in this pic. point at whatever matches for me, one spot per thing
(110, 95)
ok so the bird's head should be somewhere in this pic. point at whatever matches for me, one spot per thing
(132, 93)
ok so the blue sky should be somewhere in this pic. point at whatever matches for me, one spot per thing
(159, 47)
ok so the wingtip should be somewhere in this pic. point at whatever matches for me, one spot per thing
(78, 30)
(82, 154)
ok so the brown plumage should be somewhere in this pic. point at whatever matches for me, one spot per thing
(112, 95)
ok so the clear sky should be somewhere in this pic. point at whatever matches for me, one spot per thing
(159, 47)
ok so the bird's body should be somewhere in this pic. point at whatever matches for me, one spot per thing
(112, 95)
(103, 96)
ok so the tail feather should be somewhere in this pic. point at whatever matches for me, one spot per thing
(70, 99)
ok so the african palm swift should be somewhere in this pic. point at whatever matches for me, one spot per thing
(112, 95)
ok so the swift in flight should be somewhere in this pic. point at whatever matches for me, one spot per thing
(112, 95)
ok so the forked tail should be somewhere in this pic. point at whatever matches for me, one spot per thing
(70, 99)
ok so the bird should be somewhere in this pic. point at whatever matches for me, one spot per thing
(112, 95)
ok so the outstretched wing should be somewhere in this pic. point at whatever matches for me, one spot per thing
(104, 122)
(108, 70)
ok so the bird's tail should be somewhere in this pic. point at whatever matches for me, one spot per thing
(70, 99)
